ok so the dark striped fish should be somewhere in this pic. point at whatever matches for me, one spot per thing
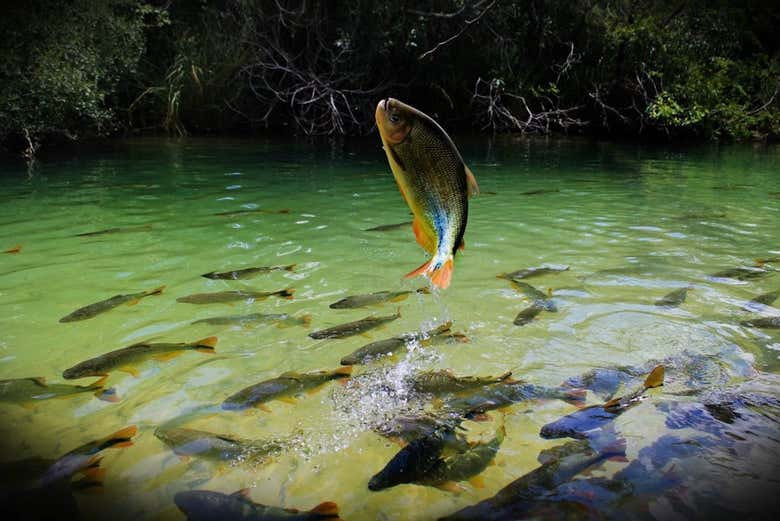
(233, 296)
(97, 308)
(247, 273)
(353, 328)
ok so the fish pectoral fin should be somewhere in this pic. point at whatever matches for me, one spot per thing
(450, 486)
(328, 508)
(424, 235)
(471, 182)
(133, 302)
(129, 369)
(289, 399)
(477, 481)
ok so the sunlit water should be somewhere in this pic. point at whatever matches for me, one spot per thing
(632, 223)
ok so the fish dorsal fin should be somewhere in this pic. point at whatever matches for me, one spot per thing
(39, 380)
(226, 438)
(471, 182)
(655, 378)
(244, 493)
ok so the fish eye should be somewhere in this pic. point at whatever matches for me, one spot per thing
(394, 118)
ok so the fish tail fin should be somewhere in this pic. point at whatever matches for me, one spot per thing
(655, 378)
(421, 270)
(290, 267)
(206, 345)
(327, 509)
(107, 395)
(287, 293)
(119, 439)
(442, 276)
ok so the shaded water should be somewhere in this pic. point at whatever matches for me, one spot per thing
(632, 223)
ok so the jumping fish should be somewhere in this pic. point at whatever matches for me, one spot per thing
(589, 421)
(111, 231)
(280, 319)
(247, 273)
(284, 387)
(124, 359)
(205, 505)
(97, 308)
(26, 391)
(221, 447)
(390, 346)
(559, 466)
(433, 180)
(388, 227)
(232, 296)
(370, 299)
(354, 328)
(673, 299)
(527, 273)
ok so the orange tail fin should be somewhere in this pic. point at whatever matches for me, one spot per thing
(419, 271)
(328, 508)
(441, 277)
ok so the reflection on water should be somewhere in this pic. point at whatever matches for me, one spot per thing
(634, 225)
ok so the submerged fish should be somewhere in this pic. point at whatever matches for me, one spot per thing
(433, 180)
(192, 442)
(124, 359)
(674, 298)
(97, 308)
(354, 328)
(284, 387)
(411, 463)
(759, 262)
(26, 391)
(250, 211)
(527, 273)
(503, 394)
(232, 296)
(391, 346)
(247, 273)
(111, 231)
(539, 298)
(766, 299)
(541, 191)
(445, 381)
(411, 427)
(764, 322)
(281, 319)
(388, 227)
(359, 301)
(15, 249)
(559, 466)
(205, 505)
(588, 421)
(742, 273)
(528, 314)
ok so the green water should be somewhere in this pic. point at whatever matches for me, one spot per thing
(632, 223)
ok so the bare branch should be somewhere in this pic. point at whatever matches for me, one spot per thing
(468, 23)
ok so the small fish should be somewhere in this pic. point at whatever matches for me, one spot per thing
(742, 273)
(247, 273)
(527, 315)
(559, 466)
(411, 463)
(280, 319)
(527, 273)
(15, 249)
(540, 299)
(125, 359)
(370, 299)
(434, 182)
(673, 298)
(111, 231)
(97, 308)
(84, 455)
(26, 391)
(390, 346)
(388, 227)
(221, 447)
(434, 382)
(758, 303)
(764, 322)
(251, 211)
(588, 421)
(541, 191)
(354, 328)
(284, 387)
(232, 296)
(206, 505)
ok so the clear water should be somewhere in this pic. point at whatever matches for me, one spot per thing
(633, 223)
